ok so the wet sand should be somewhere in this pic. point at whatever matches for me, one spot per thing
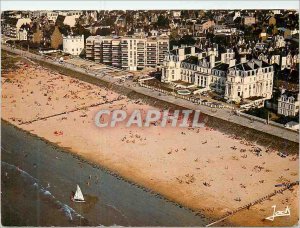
(203, 169)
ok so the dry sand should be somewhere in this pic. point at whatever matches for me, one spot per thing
(203, 169)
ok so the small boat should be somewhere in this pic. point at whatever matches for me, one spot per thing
(77, 197)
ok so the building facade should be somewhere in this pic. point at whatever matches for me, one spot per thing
(73, 45)
(288, 104)
(209, 70)
(22, 34)
(130, 53)
(253, 78)
(13, 26)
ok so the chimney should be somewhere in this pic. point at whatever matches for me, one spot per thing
(232, 62)
(212, 61)
(192, 51)
(243, 59)
(181, 54)
(200, 55)
(282, 90)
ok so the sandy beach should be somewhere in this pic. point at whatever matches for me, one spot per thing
(203, 169)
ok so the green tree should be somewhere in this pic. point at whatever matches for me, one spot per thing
(103, 31)
(65, 29)
(79, 30)
(162, 21)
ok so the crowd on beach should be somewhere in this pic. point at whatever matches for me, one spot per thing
(205, 158)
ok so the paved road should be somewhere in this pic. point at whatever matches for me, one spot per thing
(223, 114)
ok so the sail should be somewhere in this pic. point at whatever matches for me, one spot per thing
(78, 194)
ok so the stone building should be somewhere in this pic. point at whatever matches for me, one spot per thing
(288, 104)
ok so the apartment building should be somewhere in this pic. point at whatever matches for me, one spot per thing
(73, 45)
(288, 104)
(130, 53)
(13, 26)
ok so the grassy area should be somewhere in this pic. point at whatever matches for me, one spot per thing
(264, 112)
(8, 61)
(158, 84)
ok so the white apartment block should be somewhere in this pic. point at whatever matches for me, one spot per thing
(130, 53)
(288, 104)
(73, 45)
(253, 78)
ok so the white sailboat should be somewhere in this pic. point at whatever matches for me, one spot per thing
(78, 196)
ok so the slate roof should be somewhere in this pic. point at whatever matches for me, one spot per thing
(191, 60)
(221, 67)
(251, 65)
